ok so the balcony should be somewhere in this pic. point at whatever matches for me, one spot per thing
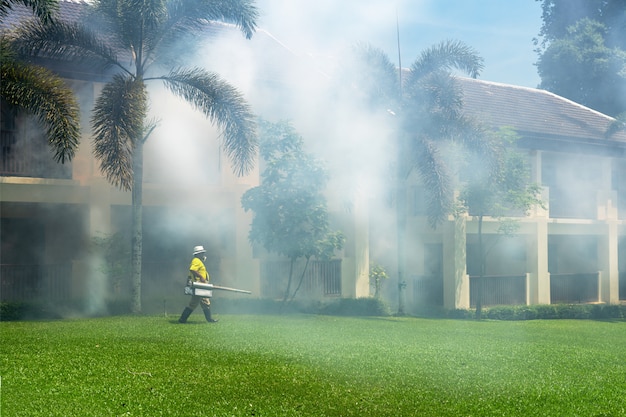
(35, 282)
(573, 203)
(29, 158)
(321, 279)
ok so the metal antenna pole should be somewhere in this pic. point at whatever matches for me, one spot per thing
(400, 191)
(399, 55)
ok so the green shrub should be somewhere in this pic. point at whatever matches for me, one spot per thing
(556, 311)
(546, 311)
(11, 311)
(15, 310)
(612, 311)
(500, 313)
(524, 313)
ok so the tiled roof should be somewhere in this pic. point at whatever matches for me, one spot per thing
(542, 119)
(537, 114)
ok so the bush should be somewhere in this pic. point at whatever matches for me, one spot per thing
(531, 312)
(14, 311)
(11, 311)
(556, 311)
(500, 313)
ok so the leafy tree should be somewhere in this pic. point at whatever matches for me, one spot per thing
(134, 40)
(290, 214)
(500, 189)
(377, 275)
(426, 105)
(581, 66)
(559, 15)
(36, 90)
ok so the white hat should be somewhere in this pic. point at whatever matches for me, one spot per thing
(198, 249)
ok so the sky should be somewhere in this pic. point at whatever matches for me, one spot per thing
(501, 31)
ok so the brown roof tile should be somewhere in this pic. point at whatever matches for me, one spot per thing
(537, 114)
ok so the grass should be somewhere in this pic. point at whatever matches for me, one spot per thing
(307, 365)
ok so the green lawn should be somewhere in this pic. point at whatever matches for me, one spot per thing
(312, 366)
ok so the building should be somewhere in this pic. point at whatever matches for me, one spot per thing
(574, 251)
(52, 216)
(57, 219)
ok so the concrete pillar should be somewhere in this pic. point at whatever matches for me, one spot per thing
(608, 264)
(244, 270)
(537, 257)
(95, 281)
(355, 263)
(455, 279)
(362, 248)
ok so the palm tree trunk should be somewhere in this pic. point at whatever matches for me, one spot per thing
(137, 231)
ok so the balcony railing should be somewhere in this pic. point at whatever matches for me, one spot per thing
(428, 290)
(27, 159)
(35, 282)
(574, 288)
(573, 203)
(321, 279)
(499, 290)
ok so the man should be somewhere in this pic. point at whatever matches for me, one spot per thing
(198, 273)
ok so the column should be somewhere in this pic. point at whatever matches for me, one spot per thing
(455, 279)
(608, 264)
(537, 256)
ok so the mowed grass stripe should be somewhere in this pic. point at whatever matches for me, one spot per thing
(312, 366)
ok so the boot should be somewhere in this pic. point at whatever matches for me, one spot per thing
(207, 315)
(183, 317)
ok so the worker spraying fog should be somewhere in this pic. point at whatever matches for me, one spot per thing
(199, 288)
(198, 273)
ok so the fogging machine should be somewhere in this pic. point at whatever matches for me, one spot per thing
(205, 290)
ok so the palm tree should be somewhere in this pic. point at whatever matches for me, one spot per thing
(136, 40)
(43, 9)
(37, 90)
(426, 104)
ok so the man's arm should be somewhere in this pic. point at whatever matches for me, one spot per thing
(197, 275)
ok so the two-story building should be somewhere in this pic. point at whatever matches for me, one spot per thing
(572, 251)
(56, 220)
(51, 215)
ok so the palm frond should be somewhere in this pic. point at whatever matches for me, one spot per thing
(438, 98)
(43, 94)
(118, 121)
(69, 42)
(436, 179)
(447, 55)
(242, 13)
(135, 23)
(124, 14)
(380, 83)
(43, 9)
(188, 18)
(223, 105)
